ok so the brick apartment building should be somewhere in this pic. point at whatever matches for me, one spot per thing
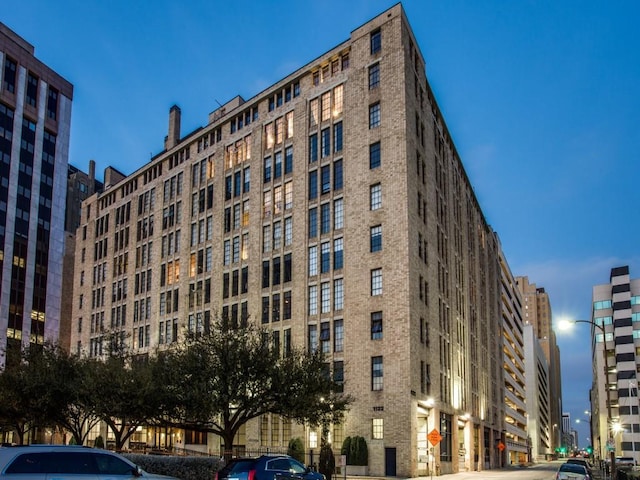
(333, 209)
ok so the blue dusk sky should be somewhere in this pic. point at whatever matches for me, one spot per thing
(540, 97)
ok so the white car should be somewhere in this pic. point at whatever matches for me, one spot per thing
(572, 471)
(68, 462)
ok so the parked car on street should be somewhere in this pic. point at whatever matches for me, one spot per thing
(625, 462)
(572, 471)
(68, 462)
(583, 462)
(267, 467)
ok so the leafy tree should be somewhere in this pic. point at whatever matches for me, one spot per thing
(34, 390)
(79, 414)
(125, 399)
(14, 417)
(233, 374)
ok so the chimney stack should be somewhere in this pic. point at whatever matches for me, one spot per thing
(173, 138)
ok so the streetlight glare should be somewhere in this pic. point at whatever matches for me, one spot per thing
(565, 324)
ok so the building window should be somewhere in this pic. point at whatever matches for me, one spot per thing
(313, 260)
(325, 218)
(325, 142)
(338, 294)
(338, 214)
(337, 137)
(313, 300)
(325, 179)
(375, 196)
(376, 326)
(376, 41)
(376, 373)
(313, 222)
(337, 101)
(375, 238)
(325, 257)
(374, 155)
(338, 335)
(338, 177)
(288, 160)
(313, 185)
(374, 76)
(313, 338)
(374, 115)
(376, 282)
(377, 429)
(338, 254)
(313, 148)
(325, 337)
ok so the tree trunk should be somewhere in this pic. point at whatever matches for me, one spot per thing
(228, 445)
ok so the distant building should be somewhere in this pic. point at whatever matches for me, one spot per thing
(515, 387)
(537, 313)
(616, 308)
(333, 209)
(539, 428)
(80, 186)
(35, 118)
(567, 435)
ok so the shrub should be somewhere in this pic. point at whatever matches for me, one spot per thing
(185, 468)
(358, 452)
(296, 449)
(346, 449)
(327, 462)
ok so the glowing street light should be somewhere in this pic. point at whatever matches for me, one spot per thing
(566, 325)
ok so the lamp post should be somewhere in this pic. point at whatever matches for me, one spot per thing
(612, 453)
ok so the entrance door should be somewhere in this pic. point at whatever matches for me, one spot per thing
(389, 462)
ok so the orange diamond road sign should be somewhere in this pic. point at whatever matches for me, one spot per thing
(501, 446)
(434, 437)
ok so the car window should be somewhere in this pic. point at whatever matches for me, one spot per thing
(573, 468)
(71, 462)
(296, 467)
(54, 462)
(281, 464)
(28, 463)
(239, 466)
(110, 465)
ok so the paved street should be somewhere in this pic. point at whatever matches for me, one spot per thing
(541, 471)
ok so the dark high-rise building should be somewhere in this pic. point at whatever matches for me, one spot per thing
(35, 116)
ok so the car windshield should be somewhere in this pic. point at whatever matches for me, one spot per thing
(573, 468)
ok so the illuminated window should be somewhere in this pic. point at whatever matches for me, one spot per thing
(313, 112)
(289, 123)
(337, 100)
(269, 135)
(326, 106)
(377, 431)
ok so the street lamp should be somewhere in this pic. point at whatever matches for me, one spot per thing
(565, 324)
